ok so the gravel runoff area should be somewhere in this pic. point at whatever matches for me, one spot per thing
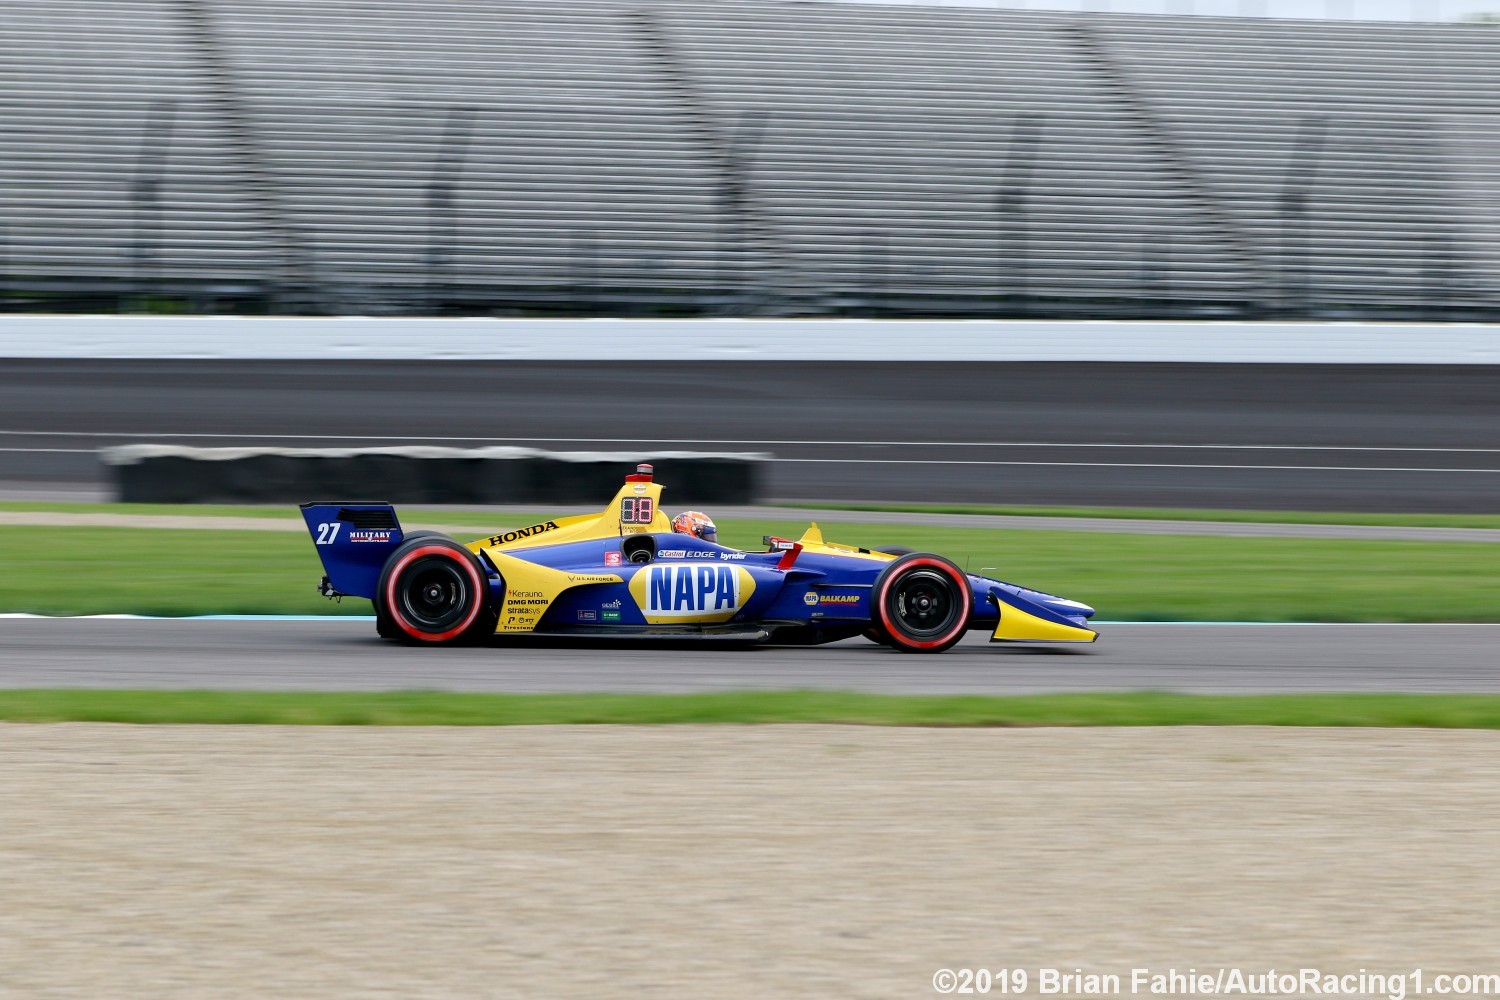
(755, 862)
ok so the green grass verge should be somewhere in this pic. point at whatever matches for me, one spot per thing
(419, 708)
(274, 512)
(1177, 514)
(64, 571)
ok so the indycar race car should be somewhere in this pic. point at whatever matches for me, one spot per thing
(624, 573)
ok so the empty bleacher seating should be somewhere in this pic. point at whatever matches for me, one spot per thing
(743, 155)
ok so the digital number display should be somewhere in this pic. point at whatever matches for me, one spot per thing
(637, 510)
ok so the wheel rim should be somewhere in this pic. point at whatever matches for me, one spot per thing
(924, 604)
(434, 594)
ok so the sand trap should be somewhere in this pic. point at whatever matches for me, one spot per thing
(817, 861)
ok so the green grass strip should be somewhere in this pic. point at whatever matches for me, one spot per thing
(71, 571)
(1174, 514)
(426, 708)
(288, 512)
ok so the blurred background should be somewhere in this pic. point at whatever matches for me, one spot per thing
(474, 177)
(675, 158)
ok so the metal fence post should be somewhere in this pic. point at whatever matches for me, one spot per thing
(1437, 278)
(145, 197)
(1011, 208)
(442, 186)
(734, 199)
(1156, 274)
(1296, 191)
(585, 276)
(876, 267)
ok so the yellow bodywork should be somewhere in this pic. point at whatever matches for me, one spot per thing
(812, 541)
(531, 589)
(1021, 626)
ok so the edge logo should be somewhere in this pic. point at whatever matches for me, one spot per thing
(519, 533)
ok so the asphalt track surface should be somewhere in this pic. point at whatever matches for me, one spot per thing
(1311, 437)
(343, 654)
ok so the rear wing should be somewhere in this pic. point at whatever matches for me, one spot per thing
(353, 539)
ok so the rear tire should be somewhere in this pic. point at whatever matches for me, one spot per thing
(921, 603)
(385, 627)
(434, 591)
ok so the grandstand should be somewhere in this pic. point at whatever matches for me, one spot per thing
(742, 157)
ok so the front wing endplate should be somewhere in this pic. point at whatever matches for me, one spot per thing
(1026, 621)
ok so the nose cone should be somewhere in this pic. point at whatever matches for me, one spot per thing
(1067, 607)
(1063, 606)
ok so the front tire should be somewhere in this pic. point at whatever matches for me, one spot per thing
(921, 603)
(433, 591)
(874, 633)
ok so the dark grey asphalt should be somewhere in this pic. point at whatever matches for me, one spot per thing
(1359, 437)
(336, 654)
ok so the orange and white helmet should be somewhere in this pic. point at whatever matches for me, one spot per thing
(697, 524)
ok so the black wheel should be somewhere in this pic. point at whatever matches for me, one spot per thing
(921, 604)
(385, 627)
(433, 591)
(896, 550)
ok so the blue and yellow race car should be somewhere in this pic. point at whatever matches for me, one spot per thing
(625, 573)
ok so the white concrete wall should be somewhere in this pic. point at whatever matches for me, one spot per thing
(269, 338)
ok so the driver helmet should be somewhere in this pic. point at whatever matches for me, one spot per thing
(697, 524)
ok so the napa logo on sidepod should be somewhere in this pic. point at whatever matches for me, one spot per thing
(691, 592)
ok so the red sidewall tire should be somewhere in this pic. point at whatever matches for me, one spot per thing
(403, 561)
(889, 626)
